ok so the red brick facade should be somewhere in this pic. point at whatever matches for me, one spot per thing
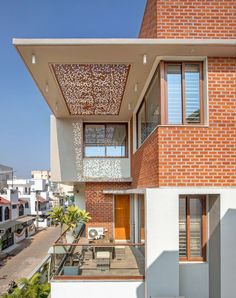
(195, 156)
(100, 205)
(212, 19)
(145, 165)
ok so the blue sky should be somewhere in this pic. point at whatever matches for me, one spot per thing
(24, 115)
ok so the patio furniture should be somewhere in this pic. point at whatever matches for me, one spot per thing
(120, 252)
(103, 260)
(87, 252)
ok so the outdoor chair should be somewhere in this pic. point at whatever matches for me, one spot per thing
(103, 260)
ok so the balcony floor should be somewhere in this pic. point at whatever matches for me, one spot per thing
(132, 264)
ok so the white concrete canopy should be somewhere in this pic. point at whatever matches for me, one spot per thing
(39, 54)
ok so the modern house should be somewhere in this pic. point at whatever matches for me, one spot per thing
(144, 129)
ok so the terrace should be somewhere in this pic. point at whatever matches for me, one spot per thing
(99, 259)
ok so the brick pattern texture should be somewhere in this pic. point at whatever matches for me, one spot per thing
(195, 156)
(211, 19)
(100, 205)
(145, 164)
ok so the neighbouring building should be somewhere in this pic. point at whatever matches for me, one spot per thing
(38, 195)
(145, 131)
(6, 173)
(41, 174)
(16, 224)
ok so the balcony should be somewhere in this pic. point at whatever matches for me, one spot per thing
(101, 259)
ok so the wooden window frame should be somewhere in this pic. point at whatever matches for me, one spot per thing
(203, 231)
(165, 86)
(105, 124)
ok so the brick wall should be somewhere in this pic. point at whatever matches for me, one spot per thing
(144, 164)
(195, 156)
(211, 19)
(100, 206)
(204, 156)
(149, 22)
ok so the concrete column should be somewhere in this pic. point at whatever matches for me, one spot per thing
(162, 243)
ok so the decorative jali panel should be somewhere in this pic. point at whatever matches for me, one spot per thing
(92, 89)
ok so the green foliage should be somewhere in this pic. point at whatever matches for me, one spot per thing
(57, 214)
(70, 217)
(74, 216)
(30, 288)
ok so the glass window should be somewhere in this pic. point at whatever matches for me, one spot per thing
(141, 125)
(174, 93)
(192, 228)
(105, 140)
(183, 91)
(192, 93)
(21, 210)
(148, 116)
(7, 213)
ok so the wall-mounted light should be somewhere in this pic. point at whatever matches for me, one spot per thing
(56, 106)
(129, 106)
(144, 59)
(46, 87)
(33, 59)
(135, 87)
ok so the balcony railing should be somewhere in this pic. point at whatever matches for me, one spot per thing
(97, 260)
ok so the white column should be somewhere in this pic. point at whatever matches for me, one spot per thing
(162, 243)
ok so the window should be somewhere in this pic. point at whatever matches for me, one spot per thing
(7, 213)
(184, 99)
(148, 116)
(21, 210)
(0, 213)
(105, 140)
(14, 206)
(192, 228)
(27, 205)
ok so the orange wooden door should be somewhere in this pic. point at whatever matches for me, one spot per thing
(122, 217)
(142, 219)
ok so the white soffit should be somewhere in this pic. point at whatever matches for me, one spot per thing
(70, 54)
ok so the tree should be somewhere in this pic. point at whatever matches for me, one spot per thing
(30, 288)
(58, 216)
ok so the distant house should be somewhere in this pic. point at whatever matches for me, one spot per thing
(15, 222)
(6, 173)
(144, 129)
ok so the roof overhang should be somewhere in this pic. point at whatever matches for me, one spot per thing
(49, 52)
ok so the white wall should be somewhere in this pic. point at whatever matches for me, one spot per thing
(79, 192)
(228, 243)
(161, 233)
(194, 280)
(99, 289)
(14, 213)
(67, 162)
(162, 237)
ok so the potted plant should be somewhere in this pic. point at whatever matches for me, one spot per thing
(73, 217)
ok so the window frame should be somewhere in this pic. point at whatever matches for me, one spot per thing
(183, 98)
(106, 124)
(144, 103)
(203, 230)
